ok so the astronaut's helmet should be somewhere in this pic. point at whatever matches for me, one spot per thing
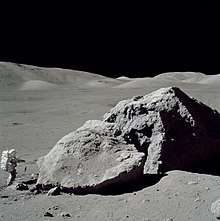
(12, 152)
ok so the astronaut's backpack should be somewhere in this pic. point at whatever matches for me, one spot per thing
(4, 160)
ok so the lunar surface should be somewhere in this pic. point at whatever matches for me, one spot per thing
(39, 106)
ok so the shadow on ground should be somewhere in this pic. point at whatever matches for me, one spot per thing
(147, 180)
(118, 188)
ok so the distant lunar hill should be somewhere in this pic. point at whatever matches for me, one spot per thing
(213, 79)
(124, 78)
(181, 76)
(186, 79)
(28, 77)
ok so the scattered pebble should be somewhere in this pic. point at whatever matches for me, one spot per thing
(166, 190)
(48, 214)
(207, 188)
(215, 208)
(145, 201)
(64, 215)
(197, 199)
(192, 183)
(54, 191)
(21, 186)
(54, 208)
(32, 189)
(34, 176)
(37, 191)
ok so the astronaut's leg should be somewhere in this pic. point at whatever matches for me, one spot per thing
(11, 177)
(9, 182)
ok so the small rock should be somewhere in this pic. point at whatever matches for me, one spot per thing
(192, 183)
(4, 196)
(32, 189)
(197, 199)
(166, 190)
(48, 214)
(54, 207)
(207, 188)
(215, 208)
(34, 176)
(21, 186)
(37, 191)
(168, 220)
(64, 214)
(54, 191)
(145, 201)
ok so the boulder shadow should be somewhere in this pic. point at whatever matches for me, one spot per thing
(145, 181)
(118, 188)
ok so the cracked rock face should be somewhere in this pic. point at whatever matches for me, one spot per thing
(162, 131)
(90, 158)
(172, 129)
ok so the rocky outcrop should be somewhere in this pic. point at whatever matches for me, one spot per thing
(150, 134)
(172, 129)
(90, 158)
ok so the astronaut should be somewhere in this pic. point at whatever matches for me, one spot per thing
(9, 162)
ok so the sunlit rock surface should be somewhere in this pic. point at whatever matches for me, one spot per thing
(152, 134)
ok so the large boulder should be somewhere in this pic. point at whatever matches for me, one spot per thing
(215, 208)
(172, 129)
(162, 131)
(90, 159)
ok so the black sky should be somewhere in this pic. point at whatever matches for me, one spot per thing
(127, 38)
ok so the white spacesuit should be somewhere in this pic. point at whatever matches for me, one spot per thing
(9, 162)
